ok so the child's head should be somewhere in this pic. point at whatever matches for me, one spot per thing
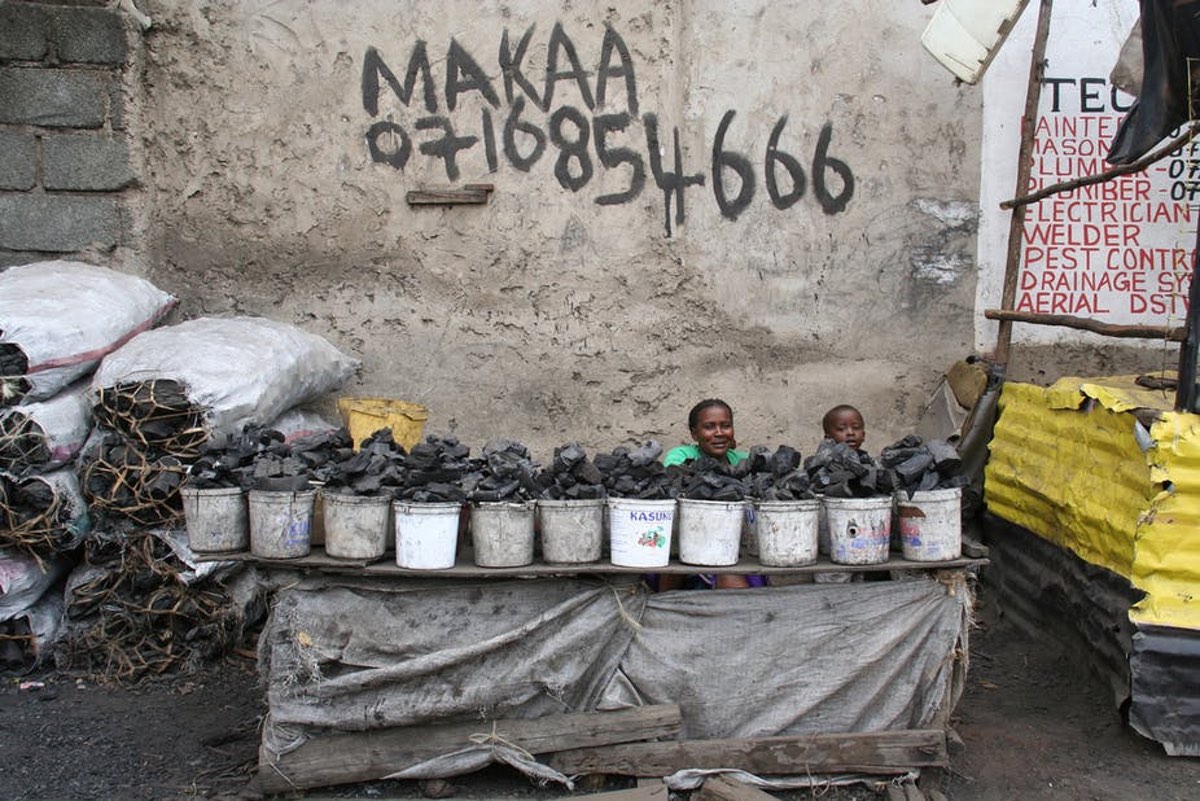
(844, 423)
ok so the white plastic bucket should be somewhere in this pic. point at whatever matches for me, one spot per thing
(356, 526)
(750, 531)
(426, 534)
(216, 519)
(502, 534)
(640, 532)
(822, 527)
(860, 529)
(931, 525)
(281, 523)
(787, 532)
(710, 532)
(572, 530)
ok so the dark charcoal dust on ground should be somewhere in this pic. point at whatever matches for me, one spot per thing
(1035, 726)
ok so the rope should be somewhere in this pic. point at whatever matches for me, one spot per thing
(628, 619)
(493, 738)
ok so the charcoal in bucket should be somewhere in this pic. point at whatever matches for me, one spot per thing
(710, 532)
(572, 531)
(281, 523)
(216, 519)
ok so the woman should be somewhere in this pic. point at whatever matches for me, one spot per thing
(710, 423)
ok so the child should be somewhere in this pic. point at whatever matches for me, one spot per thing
(844, 423)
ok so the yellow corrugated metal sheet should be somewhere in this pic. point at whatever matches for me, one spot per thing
(1065, 463)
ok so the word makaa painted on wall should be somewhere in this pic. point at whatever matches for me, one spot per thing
(521, 123)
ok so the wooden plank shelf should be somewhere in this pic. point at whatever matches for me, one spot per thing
(465, 568)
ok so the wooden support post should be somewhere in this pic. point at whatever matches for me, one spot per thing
(1016, 225)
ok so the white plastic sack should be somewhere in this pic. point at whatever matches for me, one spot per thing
(57, 527)
(33, 632)
(238, 371)
(296, 424)
(23, 580)
(44, 435)
(65, 316)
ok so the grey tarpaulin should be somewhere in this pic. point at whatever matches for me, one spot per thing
(356, 654)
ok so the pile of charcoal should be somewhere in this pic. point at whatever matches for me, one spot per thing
(839, 471)
(378, 468)
(131, 613)
(440, 470)
(709, 479)
(122, 480)
(570, 476)
(509, 474)
(155, 414)
(33, 517)
(636, 473)
(920, 466)
(777, 476)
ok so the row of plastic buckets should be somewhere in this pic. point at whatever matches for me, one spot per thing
(278, 525)
(858, 531)
(853, 531)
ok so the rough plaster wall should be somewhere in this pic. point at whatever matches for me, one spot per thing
(543, 316)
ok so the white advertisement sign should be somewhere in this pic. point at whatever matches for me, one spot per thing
(1118, 252)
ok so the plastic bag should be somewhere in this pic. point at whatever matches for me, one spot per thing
(59, 318)
(1170, 39)
(234, 371)
(44, 435)
(23, 579)
(42, 514)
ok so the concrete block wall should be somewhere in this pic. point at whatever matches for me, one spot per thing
(64, 155)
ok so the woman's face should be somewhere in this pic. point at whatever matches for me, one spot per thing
(714, 431)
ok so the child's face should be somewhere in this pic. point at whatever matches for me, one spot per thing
(714, 432)
(847, 427)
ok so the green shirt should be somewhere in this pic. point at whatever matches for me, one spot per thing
(686, 453)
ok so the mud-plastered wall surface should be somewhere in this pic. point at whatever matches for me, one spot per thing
(773, 203)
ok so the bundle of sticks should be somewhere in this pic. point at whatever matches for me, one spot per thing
(33, 517)
(22, 441)
(125, 481)
(154, 414)
(130, 616)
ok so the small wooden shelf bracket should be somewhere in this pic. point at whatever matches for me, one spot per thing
(466, 195)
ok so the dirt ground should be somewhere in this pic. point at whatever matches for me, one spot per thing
(1034, 726)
